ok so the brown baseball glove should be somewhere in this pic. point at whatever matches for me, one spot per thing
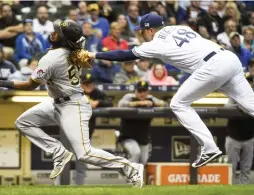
(80, 57)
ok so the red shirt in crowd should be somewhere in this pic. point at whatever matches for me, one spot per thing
(112, 44)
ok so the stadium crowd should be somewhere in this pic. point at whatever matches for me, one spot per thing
(109, 25)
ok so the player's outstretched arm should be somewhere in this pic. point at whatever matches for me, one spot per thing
(116, 55)
(20, 85)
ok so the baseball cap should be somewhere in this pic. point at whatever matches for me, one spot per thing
(150, 20)
(233, 34)
(93, 7)
(142, 86)
(86, 78)
(28, 21)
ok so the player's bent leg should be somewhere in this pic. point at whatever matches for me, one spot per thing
(144, 153)
(74, 119)
(240, 90)
(29, 124)
(194, 89)
(203, 81)
(133, 150)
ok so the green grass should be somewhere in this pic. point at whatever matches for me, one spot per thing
(127, 190)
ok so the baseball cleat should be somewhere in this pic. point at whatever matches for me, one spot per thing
(59, 166)
(138, 179)
(206, 158)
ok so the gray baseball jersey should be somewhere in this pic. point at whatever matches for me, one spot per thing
(59, 75)
(127, 98)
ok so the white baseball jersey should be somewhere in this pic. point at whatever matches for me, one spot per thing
(59, 75)
(178, 46)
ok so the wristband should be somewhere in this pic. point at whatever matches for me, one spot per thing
(133, 104)
(7, 84)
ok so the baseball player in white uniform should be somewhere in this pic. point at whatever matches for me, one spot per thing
(212, 68)
(68, 108)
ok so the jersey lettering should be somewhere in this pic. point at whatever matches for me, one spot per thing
(183, 36)
(164, 33)
(73, 72)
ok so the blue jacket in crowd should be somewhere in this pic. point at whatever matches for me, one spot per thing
(105, 74)
(25, 48)
(101, 24)
(92, 43)
(244, 56)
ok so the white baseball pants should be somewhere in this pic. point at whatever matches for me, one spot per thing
(138, 153)
(222, 72)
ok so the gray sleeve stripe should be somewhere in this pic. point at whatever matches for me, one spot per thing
(135, 53)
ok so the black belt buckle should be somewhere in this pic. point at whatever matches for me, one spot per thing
(62, 100)
(209, 56)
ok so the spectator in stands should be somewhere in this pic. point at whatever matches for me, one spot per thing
(182, 10)
(248, 42)
(58, 4)
(73, 14)
(146, 7)
(223, 38)
(25, 72)
(239, 142)
(158, 75)
(127, 75)
(133, 18)
(162, 11)
(126, 33)
(171, 11)
(107, 11)
(92, 41)
(6, 67)
(252, 19)
(10, 27)
(250, 74)
(204, 4)
(96, 97)
(83, 14)
(114, 40)
(221, 8)
(100, 24)
(133, 2)
(104, 71)
(209, 25)
(134, 133)
(41, 24)
(232, 13)
(28, 44)
(193, 13)
(243, 54)
(142, 67)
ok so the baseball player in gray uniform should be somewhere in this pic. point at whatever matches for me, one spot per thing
(68, 108)
(134, 133)
(212, 68)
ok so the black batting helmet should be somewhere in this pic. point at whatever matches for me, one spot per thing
(70, 32)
